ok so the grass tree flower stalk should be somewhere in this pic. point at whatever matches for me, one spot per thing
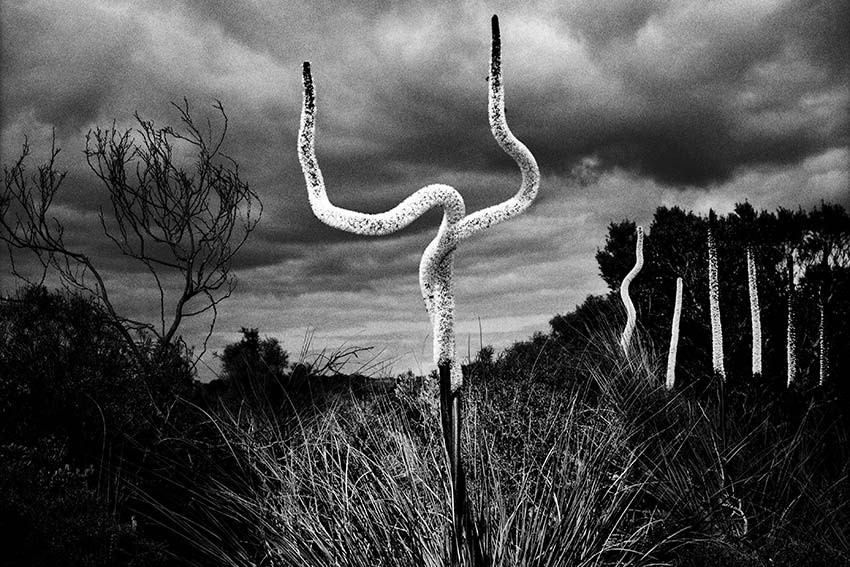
(631, 314)
(714, 304)
(823, 298)
(791, 335)
(436, 266)
(823, 353)
(674, 337)
(755, 313)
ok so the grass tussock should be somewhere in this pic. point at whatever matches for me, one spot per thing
(608, 470)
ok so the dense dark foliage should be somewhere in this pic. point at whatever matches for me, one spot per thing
(103, 457)
(75, 406)
(818, 241)
(253, 368)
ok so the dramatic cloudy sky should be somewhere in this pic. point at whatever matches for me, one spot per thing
(647, 102)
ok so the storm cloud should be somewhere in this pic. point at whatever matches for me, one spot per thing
(690, 103)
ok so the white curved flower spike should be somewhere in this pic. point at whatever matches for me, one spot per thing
(626, 338)
(436, 267)
(490, 216)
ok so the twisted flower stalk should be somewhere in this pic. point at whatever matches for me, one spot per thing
(436, 266)
(631, 320)
(714, 307)
(674, 337)
(755, 313)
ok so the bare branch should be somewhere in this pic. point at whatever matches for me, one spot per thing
(181, 224)
(188, 223)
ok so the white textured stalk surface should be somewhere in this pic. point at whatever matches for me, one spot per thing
(674, 337)
(823, 353)
(755, 313)
(631, 314)
(436, 266)
(791, 337)
(714, 308)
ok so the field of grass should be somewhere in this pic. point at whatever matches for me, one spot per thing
(607, 469)
(575, 455)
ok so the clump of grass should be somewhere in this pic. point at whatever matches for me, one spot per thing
(363, 483)
(609, 469)
(574, 483)
(562, 494)
(359, 483)
(357, 487)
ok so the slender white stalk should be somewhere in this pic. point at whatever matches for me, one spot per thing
(823, 354)
(791, 337)
(755, 313)
(436, 266)
(674, 337)
(714, 307)
(631, 314)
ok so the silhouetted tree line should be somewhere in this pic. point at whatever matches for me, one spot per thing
(816, 243)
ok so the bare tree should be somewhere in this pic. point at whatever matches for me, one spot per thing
(182, 225)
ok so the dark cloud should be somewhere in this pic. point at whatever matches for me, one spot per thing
(669, 90)
(697, 89)
(821, 29)
(678, 93)
(61, 65)
(657, 102)
(601, 23)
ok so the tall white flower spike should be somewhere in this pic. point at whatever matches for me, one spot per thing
(791, 336)
(714, 307)
(674, 337)
(631, 320)
(436, 267)
(755, 313)
(823, 353)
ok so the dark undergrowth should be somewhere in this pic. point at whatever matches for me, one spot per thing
(576, 456)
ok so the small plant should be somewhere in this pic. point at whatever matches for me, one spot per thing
(437, 265)
(674, 337)
(624, 293)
